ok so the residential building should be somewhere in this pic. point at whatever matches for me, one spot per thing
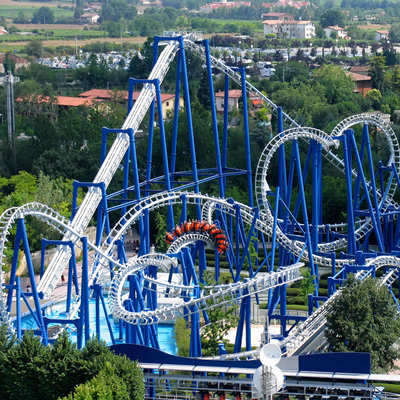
(3, 31)
(210, 7)
(167, 100)
(290, 29)
(90, 18)
(278, 16)
(381, 35)
(340, 32)
(360, 69)
(363, 83)
(287, 3)
(234, 96)
(233, 100)
(18, 61)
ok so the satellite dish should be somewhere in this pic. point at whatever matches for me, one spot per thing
(270, 354)
(257, 379)
(266, 382)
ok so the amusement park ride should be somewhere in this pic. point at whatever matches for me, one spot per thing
(278, 223)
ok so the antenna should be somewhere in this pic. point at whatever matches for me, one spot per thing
(268, 378)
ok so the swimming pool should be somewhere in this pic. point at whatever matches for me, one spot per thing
(166, 338)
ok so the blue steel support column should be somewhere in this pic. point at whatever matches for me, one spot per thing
(225, 132)
(31, 271)
(313, 267)
(85, 288)
(247, 136)
(282, 160)
(373, 184)
(190, 122)
(316, 200)
(374, 215)
(282, 179)
(131, 90)
(14, 267)
(136, 180)
(248, 318)
(176, 117)
(164, 149)
(351, 240)
(18, 306)
(214, 118)
(283, 310)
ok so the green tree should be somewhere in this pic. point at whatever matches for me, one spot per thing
(34, 48)
(222, 319)
(364, 318)
(117, 9)
(22, 369)
(9, 64)
(44, 15)
(307, 285)
(332, 18)
(337, 85)
(376, 98)
(394, 33)
(377, 67)
(203, 93)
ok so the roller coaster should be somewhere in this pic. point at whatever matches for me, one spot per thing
(265, 242)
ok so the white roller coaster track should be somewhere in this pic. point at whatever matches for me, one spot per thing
(317, 319)
(9, 218)
(120, 146)
(217, 295)
(109, 167)
(362, 226)
(74, 231)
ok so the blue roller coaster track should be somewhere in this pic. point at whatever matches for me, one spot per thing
(279, 222)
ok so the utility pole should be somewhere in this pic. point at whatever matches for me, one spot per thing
(10, 114)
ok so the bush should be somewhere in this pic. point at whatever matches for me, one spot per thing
(31, 370)
(182, 337)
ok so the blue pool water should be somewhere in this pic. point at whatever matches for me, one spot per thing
(166, 337)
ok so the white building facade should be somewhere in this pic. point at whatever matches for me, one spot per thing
(290, 29)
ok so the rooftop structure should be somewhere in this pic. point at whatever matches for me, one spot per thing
(210, 7)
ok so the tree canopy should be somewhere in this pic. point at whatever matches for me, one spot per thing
(365, 319)
(31, 370)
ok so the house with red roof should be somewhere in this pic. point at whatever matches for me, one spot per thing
(278, 16)
(210, 7)
(167, 100)
(340, 32)
(381, 35)
(363, 83)
(234, 96)
(287, 3)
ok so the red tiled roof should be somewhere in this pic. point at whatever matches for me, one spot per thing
(281, 22)
(73, 101)
(383, 32)
(64, 101)
(232, 94)
(277, 14)
(335, 28)
(358, 77)
(110, 94)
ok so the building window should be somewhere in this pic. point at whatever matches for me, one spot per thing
(167, 103)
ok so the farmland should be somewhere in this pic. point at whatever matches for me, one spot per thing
(12, 11)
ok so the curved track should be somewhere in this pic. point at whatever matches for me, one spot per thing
(262, 218)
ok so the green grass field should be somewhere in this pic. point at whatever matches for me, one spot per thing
(11, 12)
